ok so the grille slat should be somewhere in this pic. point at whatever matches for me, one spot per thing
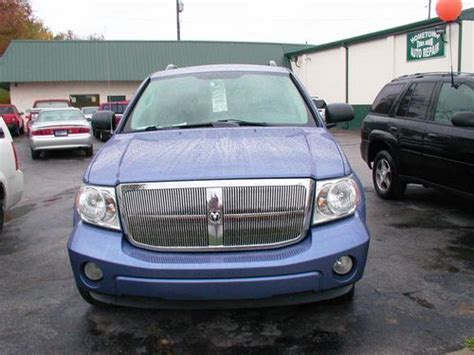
(254, 213)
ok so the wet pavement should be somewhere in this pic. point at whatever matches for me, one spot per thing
(417, 295)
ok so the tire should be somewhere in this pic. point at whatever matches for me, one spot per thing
(16, 132)
(89, 151)
(35, 154)
(2, 218)
(103, 136)
(22, 130)
(385, 177)
(86, 296)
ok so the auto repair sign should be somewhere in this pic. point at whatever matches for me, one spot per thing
(424, 45)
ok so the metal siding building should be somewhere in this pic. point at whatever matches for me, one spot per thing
(354, 70)
(70, 69)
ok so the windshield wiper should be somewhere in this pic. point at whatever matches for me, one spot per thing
(205, 124)
(243, 123)
(178, 126)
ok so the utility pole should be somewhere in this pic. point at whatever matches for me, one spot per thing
(429, 9)
(179, 9)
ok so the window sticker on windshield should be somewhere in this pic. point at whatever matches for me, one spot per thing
(219, 96)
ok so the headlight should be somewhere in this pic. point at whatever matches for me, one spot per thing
(335, 199)
(98, 205)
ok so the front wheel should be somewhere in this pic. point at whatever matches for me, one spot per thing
(35, 154)
(89, 151)
(387, 182)
(2, 217)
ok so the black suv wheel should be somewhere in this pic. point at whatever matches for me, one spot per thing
(385, 177)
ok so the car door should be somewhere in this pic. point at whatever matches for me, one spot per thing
(412, 113)
(448, 151)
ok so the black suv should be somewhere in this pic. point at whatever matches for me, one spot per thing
(421, 130)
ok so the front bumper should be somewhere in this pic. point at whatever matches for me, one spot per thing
(69, 142)
(302, 268)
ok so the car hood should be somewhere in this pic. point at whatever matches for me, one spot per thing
(217, 153)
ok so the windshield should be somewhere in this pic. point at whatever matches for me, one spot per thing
(89, 111)
(6, 109)
(210, 97)
(116, 108)
(60, 115)
(51, 104)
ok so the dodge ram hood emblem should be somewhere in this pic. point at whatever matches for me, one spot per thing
(215, 216)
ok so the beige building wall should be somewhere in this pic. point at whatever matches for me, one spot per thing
(371, 66)
(323, 73)
(467, 63)
(24, 94)
(374, 63)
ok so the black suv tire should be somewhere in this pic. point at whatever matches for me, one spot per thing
(387, 182)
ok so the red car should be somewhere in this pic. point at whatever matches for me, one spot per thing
(12, 118)
(38, 105)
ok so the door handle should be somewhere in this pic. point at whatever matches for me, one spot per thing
(393, 129)
(432, 136)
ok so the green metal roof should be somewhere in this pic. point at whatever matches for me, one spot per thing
(467, 15)
(42, 61)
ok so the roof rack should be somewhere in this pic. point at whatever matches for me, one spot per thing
(171, 66)
(422, 75)
(272, 63)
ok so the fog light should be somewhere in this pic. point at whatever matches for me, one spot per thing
(93, 272)
(343, 265)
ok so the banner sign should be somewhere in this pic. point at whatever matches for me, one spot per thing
(424, 45)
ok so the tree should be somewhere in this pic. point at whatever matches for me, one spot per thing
(18, 22)
(69, 35)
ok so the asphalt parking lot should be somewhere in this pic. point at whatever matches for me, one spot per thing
(417, 295)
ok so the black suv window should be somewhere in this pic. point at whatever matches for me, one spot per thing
(452, 100)
(384, 101)
(415, 102)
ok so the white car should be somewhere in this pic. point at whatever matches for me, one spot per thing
(11, 177)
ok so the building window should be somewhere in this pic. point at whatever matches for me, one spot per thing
(115, 98)
(80, 101)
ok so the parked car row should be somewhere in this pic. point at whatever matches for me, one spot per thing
(17, 125)
(11, 177)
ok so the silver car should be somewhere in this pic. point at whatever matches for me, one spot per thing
(57, 129)
(88, 111)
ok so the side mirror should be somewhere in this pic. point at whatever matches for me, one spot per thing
(21, 113)
(463, 119)
(319, 103)
(339, 113)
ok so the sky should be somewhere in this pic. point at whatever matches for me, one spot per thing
(288, 21)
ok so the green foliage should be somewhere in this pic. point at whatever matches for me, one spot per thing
(18, 22)
(469, 343)
(4, 96)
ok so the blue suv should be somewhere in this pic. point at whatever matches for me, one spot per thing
(221, 187)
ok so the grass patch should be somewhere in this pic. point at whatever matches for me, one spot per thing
(469, 343)
(4, 96)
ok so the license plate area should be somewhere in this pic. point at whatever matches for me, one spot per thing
(61, 132)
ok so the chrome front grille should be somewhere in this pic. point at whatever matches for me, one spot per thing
(216, 215)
